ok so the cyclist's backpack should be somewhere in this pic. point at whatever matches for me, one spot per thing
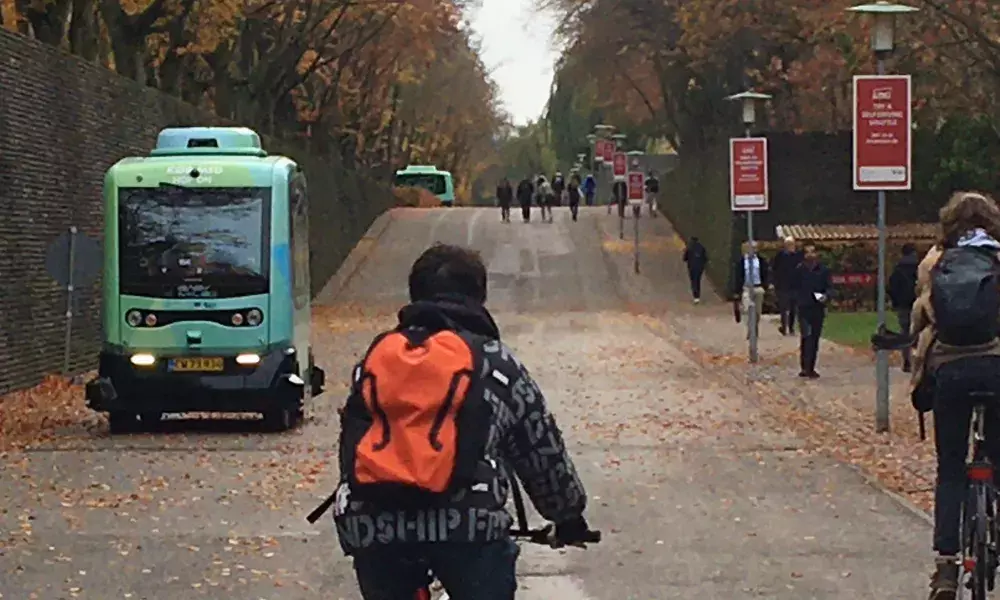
(417, 420)
(965, 296)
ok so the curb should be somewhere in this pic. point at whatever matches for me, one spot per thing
(356, 259)
(896, 496)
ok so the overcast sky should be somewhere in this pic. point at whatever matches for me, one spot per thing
(517, 48)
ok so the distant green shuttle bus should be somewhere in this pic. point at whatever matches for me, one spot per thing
(206, 283)
(434, 180)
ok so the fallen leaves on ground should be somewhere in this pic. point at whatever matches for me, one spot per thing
(832, 420)
(43, 412)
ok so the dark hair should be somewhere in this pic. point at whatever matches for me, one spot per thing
(444, 269)
(694, 239)
(909, 248)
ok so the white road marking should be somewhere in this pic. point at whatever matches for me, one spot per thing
(472, 226)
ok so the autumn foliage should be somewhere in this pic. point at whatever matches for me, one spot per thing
(382, 82)
(665, 66)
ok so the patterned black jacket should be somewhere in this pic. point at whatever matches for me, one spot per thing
(523, 436)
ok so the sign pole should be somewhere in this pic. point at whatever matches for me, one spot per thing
(883, 161)
(748, 165)
(635, 195)
(636, 210)
(621, 213)
(881, 357)
(752, 307)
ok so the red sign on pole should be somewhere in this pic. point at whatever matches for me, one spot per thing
(599, 150)
(883, 156)
(620, 166)
(636, 187)
(748, 174)
(609, 150)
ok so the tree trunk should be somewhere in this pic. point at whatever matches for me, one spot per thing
(47, 24)
(84, 30)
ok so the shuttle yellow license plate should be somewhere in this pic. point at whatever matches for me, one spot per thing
(195, 364)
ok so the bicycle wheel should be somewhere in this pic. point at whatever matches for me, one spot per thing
(993, 561)
(980, 545)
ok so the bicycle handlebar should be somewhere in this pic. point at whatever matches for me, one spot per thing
(542, 536)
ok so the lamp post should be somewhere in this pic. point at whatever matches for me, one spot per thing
(883, 31)
(749, 100)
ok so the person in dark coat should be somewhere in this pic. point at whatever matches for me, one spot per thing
(903, 294)
(573, 194)
(785, 263)
(696, 257)
(652, 193)
(558, 187)
(525, 193)
(505, 195)
(812, 283)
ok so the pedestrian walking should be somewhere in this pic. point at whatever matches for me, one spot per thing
(525, 191)
(786, 262)
(505, 195)
(573, 195)
(619, 197)
(696, 257)
(543, 197)
(753, 268)
(652, 193)
(558, 188)
(903, 294)
(589, 188)
(812, 282)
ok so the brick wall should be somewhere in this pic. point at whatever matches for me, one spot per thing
(63, 122)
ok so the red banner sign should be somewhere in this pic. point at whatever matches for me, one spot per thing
(853, 279)
(599, 150)
(636, 187)
(609, 150)
(883, 157)
(620, 165)
(748, 174)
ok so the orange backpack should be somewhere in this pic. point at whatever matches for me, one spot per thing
(416, 422)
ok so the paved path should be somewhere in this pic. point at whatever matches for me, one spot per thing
(699, 493)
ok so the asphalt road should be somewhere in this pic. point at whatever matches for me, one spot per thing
(696, 495)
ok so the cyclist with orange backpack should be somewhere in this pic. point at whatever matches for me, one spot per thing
(438, 408)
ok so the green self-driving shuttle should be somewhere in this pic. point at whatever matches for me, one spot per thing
(206, 282)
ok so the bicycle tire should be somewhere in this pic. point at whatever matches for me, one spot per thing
(992, 537)
(980, 546)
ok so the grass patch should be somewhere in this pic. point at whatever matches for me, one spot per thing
(851, 328)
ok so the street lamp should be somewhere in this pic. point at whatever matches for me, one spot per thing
(883, 31)
(749, 99)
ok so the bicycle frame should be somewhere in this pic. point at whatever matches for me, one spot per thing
(979, 555)
(534, 536)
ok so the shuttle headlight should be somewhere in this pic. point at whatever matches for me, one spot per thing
(254, 317)
(133, 318)
(236, 319)
(150, 320)
(248, 359)
(143, 359)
